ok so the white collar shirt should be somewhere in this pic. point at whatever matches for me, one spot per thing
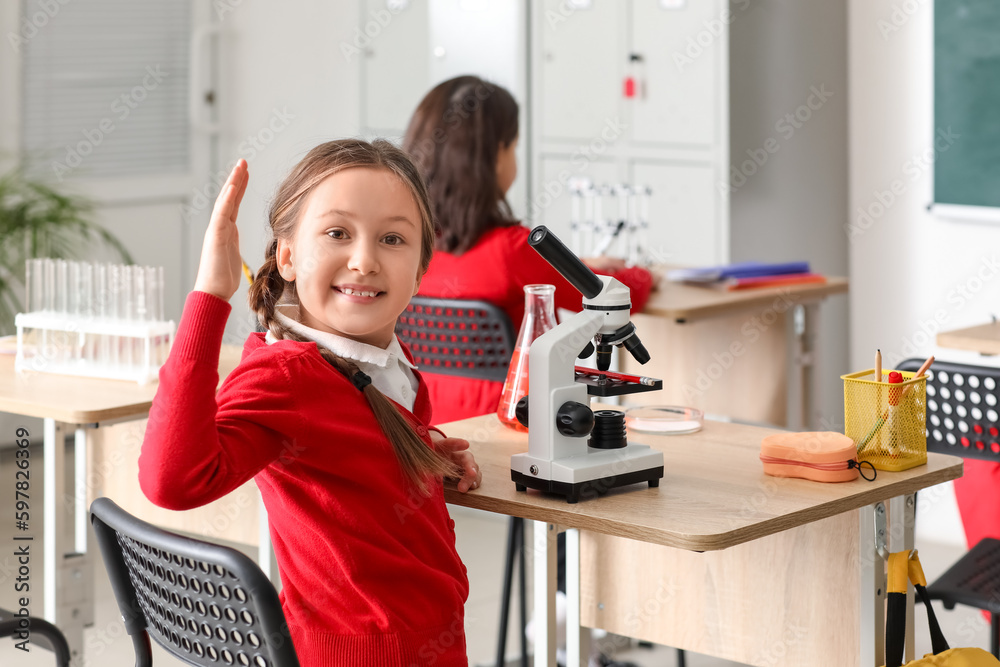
(391, 372)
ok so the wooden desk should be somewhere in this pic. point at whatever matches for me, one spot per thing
(743, 354)
(79, 404)
(781, 554)
(984, 339)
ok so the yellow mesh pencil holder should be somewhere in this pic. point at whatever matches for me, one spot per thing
(887, 421)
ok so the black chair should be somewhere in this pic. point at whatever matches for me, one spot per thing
(43, 634)
(205, 604)
(462, 338)
(963, 419)
(470, 339)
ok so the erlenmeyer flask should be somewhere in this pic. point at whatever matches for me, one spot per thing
(539, 317)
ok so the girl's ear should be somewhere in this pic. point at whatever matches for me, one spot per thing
(283, 258)
(416, 285)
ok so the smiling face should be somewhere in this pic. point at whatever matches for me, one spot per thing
(355, 255)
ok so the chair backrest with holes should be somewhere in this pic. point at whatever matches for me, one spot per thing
(472, 339)
(206, 604)
(963, 409)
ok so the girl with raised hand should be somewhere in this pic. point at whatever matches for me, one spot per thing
(325, 411)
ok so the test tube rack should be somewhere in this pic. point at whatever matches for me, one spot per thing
(93, 320)
(610, 216)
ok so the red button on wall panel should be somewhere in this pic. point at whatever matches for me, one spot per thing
(965, 441)
(977, 428)
(980, 445)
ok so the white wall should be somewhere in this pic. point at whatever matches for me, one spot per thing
(792, 207)
(912, 273)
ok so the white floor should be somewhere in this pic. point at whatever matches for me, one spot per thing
(481, 542)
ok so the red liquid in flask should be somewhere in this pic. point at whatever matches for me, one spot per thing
(539, 317)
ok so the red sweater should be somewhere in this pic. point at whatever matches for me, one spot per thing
(496, 270)
(369, 570)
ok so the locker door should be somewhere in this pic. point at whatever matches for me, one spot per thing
(684, 213)
(395, 72)
(581, 67)
(551, 203)
(679, 95)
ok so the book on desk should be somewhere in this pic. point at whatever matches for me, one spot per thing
(747, 275)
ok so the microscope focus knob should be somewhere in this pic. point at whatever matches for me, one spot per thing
(521, 411)
(575, 420)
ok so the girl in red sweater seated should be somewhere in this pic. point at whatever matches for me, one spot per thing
(463, 136)
(325, 411)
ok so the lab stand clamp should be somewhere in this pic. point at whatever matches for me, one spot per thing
(574, 451)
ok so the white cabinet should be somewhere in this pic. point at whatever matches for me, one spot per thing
(396, 64)
(677, 72)
(641, 88)
(579, 67)
(683, 225)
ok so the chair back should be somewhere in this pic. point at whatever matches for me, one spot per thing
(963, 409)
(471, 339)
(206, 604)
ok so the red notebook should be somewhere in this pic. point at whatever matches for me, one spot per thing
(773, 281)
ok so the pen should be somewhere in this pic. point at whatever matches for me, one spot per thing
(648, 381)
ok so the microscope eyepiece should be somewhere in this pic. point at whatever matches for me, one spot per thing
(564, 261)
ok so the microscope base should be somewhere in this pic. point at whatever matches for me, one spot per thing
(590, 488)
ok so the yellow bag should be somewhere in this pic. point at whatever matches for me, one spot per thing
(905, 566)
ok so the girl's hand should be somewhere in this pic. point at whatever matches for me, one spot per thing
(221, 266)
(456, 449)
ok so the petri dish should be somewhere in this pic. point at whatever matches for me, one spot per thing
(664, 419)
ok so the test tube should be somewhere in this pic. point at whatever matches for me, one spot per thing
(644, 194)
(48, 284)
(34, 278)
(62, 287)
(160, 312)
(139, 275)
(587, 224)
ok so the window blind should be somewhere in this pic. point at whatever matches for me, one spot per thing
(105, 87)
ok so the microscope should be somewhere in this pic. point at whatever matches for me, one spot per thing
(574, 451)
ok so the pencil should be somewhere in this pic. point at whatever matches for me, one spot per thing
(246, 271)
(878, 365)
(923, 369)
(648, 381)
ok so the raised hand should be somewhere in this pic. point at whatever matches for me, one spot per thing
(221, 266)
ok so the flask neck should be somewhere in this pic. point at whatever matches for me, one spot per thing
(539, 312)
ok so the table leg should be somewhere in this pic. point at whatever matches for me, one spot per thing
(872, 581)
(902, 512)
(544, 539)
(803, 337)
(577, 636)
(883, 530)
(809, 360)
(68, 601)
